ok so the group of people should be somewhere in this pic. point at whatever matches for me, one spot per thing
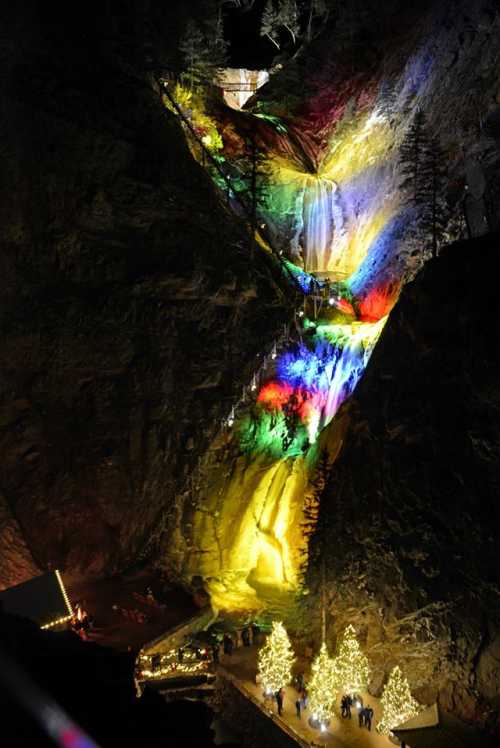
(229, 641)
(81, 622)
(365, 716)
(365, 713)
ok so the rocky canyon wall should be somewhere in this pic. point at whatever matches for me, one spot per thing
(130, 303)
(409, 520)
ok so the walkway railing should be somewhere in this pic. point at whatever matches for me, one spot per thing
(221, 671)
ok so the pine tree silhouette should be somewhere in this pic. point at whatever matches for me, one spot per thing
(411, 156)
(203, 50)
(430, 195)
(423, 181)
(256, 176)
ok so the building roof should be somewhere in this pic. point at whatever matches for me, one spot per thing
(449, 731)
(43, 599)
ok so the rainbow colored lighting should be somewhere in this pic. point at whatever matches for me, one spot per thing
(312, 380)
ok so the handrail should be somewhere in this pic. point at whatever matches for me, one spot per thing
(270, 715)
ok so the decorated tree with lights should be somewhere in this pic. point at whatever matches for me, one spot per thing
(321, 687)
(398, 705)
(276, 659)
(352, 671)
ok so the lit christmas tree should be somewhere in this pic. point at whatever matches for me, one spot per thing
(276, 660)
(398, 705)
(321, 687)
(352, 671)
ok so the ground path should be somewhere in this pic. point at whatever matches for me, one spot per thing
(242, 665)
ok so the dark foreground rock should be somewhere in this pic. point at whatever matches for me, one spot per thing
(130, 303)
(94, 685)
(409, 520)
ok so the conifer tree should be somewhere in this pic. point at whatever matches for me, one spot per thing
(352, 671)
(276, 659)
(216, 43)
(203, 50)
(421, 164)
(255, 178)
(318, 12)
(270, 24)
(398, 705)
(280, 14)
(289, 18)
(321, 687)
(195, 54)
(411, 155)
(430, 196)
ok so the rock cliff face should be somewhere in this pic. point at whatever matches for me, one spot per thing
(130, 301)
(409, 520)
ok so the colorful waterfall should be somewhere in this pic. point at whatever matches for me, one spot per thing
(344, 226)
(320, 239)
(248, 532)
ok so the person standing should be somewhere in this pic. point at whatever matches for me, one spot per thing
(227, 644)
(279, 701)
(361, 717)
(215, 652)
(303, 698)
(368, 717)
(348, 704)
(297, 708)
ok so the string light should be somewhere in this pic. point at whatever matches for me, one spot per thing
(169, 665)
(57, 622)
(276, 659)
(398, 705)
(321, 687)
(352, 671)
(64, 593)
(62, 619)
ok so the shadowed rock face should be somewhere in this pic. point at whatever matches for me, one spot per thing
(129, 298)
(412, 499)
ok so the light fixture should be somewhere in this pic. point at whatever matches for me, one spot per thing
(331, 301)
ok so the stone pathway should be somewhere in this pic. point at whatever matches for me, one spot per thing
(341, 732)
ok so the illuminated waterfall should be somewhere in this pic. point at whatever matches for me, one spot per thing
(320, 238)
(247, 533)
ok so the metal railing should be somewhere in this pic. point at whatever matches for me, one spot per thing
(284, 726)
